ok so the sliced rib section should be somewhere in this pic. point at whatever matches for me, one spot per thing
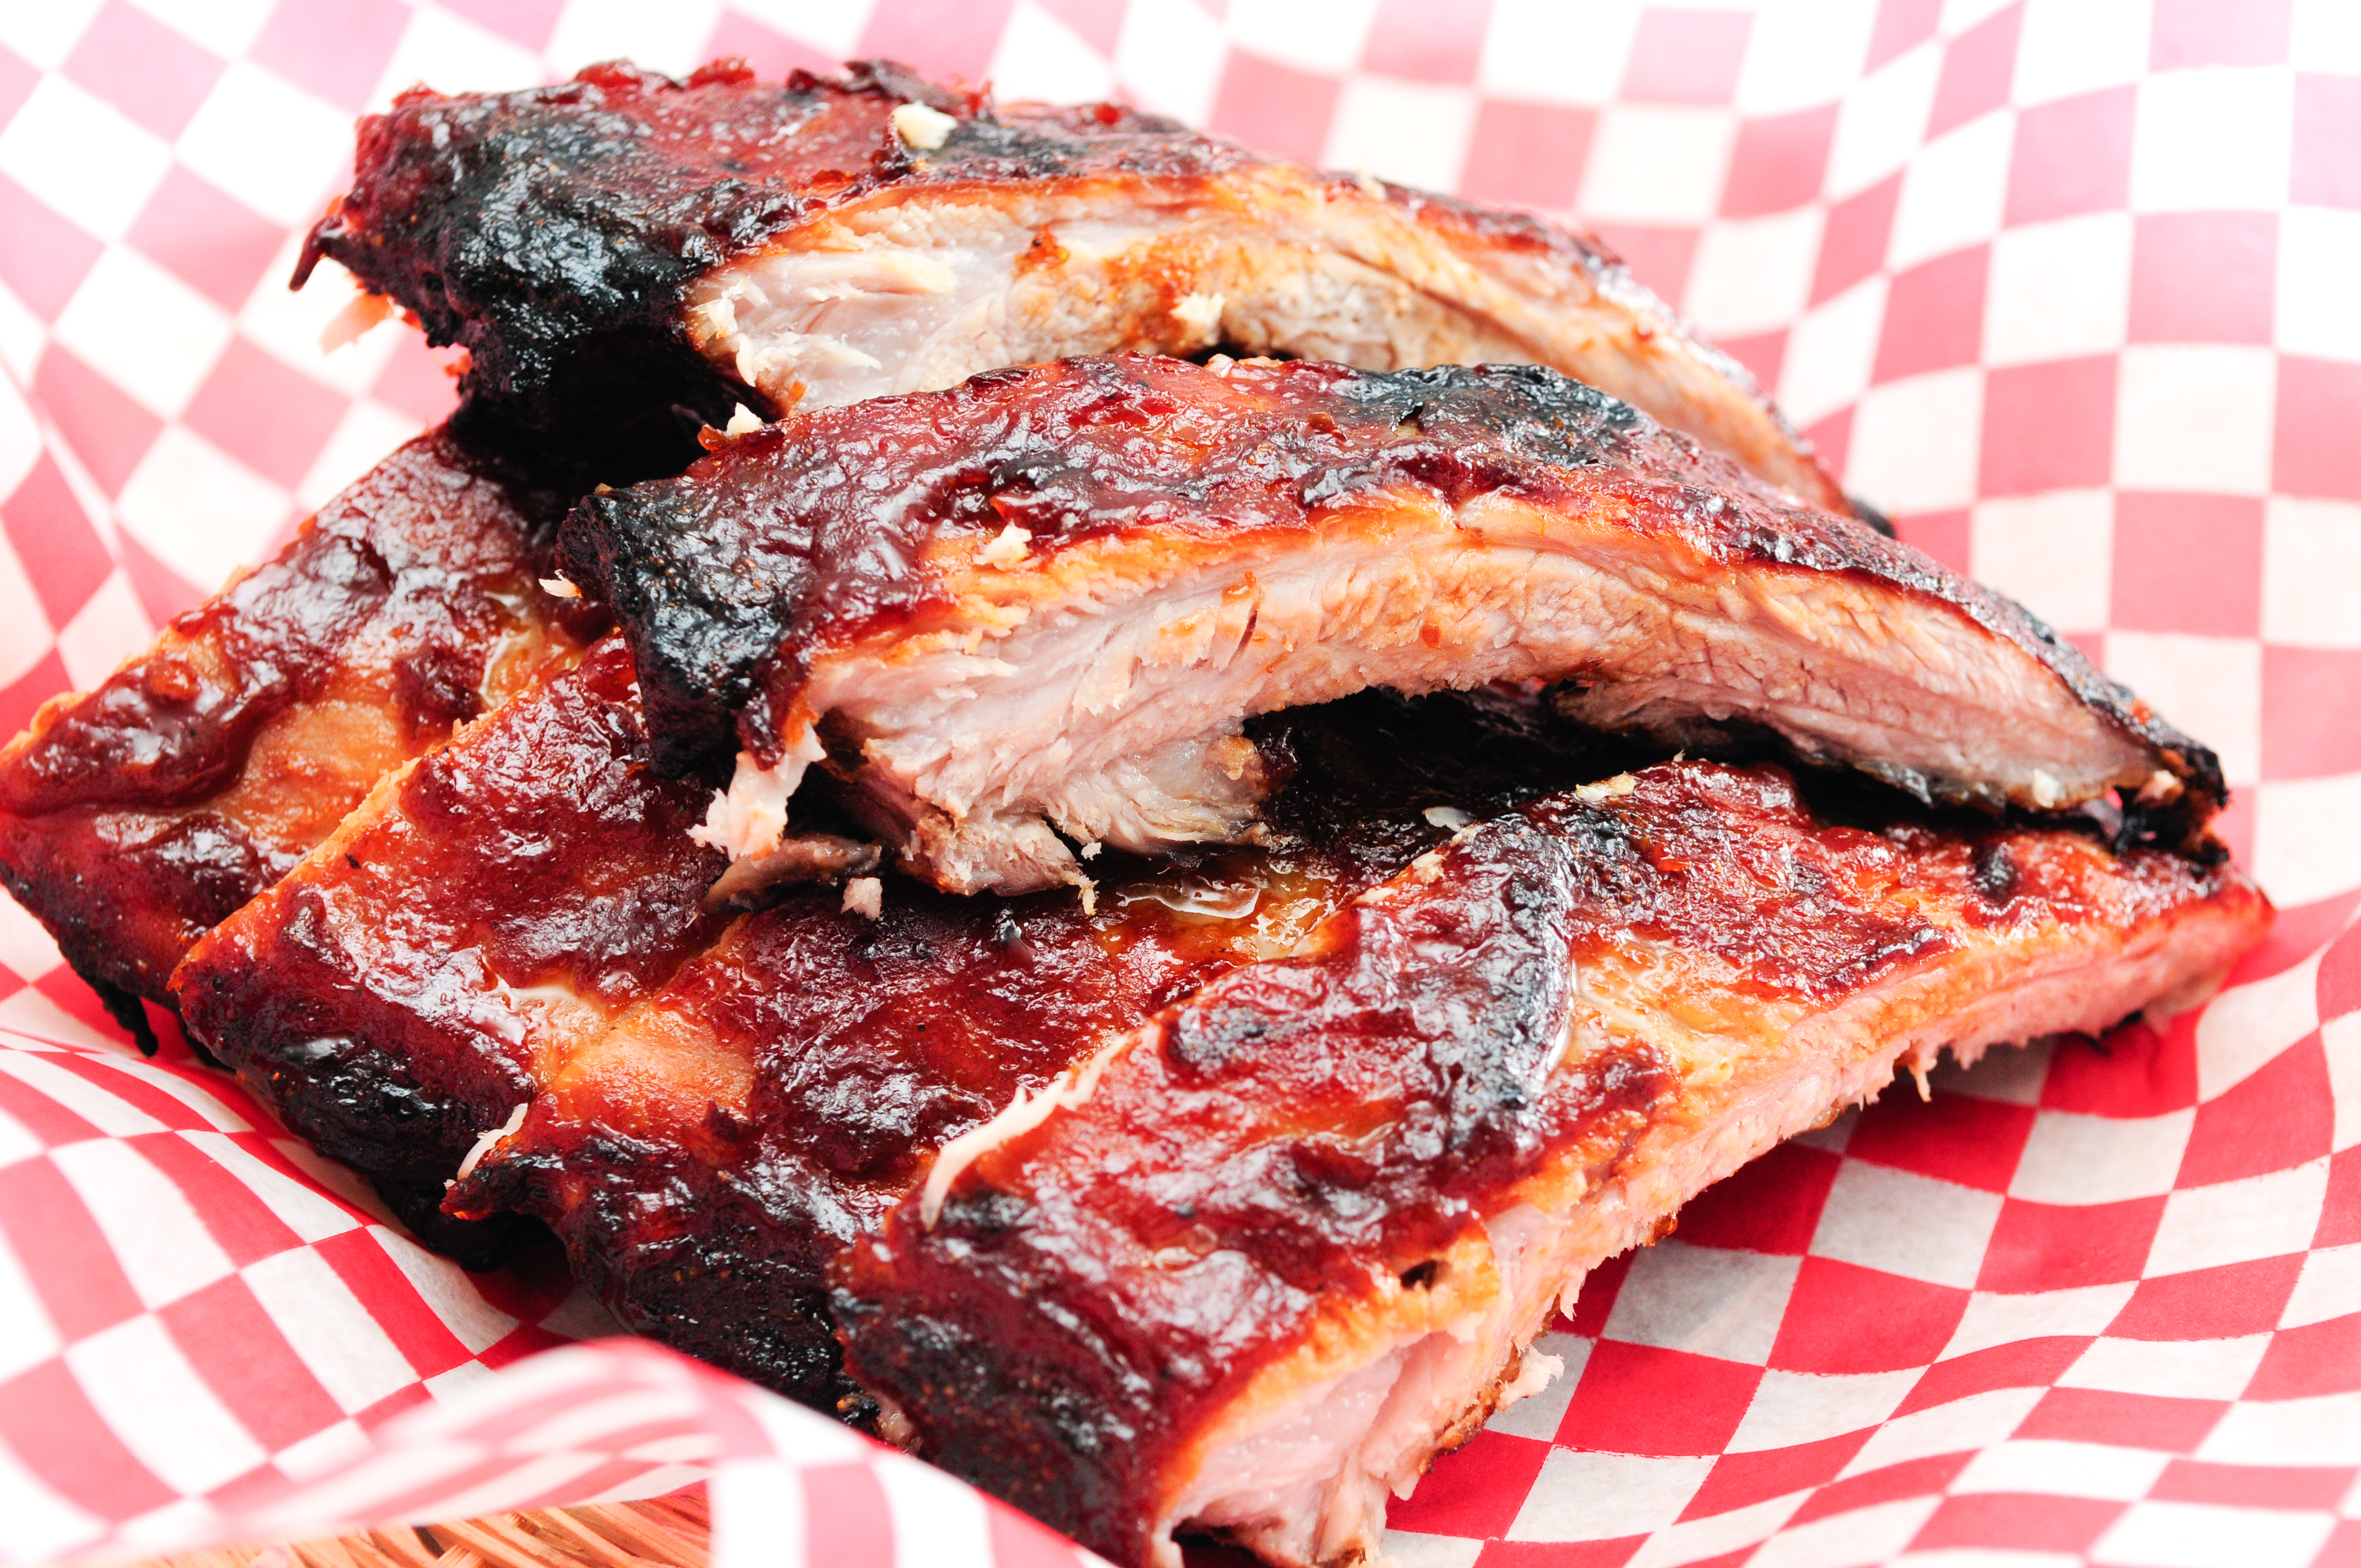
(1263, 1259)
(1034, 611)
(718, 1102)
(624, 240)
(136, 816)
(417, 977)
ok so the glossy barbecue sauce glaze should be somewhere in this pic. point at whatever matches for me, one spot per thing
(554, 232)
(1274, 1163)
(839, 526)
(712, 1148)
(135, 817)
(391, 997)
(721, 1101)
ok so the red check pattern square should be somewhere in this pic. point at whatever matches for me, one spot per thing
(2065, 287)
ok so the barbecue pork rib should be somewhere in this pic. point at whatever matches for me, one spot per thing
(1036, 608)
(720, 1103)
(624, 240)
(135, 817)
(1253, 1266)
(420, 974)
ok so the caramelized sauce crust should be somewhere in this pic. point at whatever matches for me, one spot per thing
(554, 232)
(842, 525)
(1280, 1158)
(712, 1147)
(414, 980)
(719, 1103)
(135, 817)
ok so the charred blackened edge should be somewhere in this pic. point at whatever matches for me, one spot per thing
(1042, 1408)
(1872, 516)
(1770, 529)
(474, 1245)
(305, 1044)
(546, 278)
(720, 1251)
(1779, 532)
(546, 233)
(1841, 792)
(543, 475)
(1826, 543)
(699, 630)
(130, 1016)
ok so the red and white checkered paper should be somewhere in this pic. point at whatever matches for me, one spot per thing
(2068, 286)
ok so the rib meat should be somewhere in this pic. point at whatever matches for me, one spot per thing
(1034, 609)
(720, 1103)
(1250, 1268)
(555, 882)
(623, 240)
(136, 816)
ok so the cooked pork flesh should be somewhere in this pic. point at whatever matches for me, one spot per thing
(1033, 611)
(503, 968)
(136, 816)
(719, 1103)
(1249, 1269)
(622, 239)
(392, 1031)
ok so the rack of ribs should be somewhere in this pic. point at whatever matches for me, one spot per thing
(720, 1101)
(1034, 611)
(510, 947)
(1248, 1270)
(136, 816)
(130, 819)
(624, 241)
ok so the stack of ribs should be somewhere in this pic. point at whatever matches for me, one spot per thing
(1105, 803)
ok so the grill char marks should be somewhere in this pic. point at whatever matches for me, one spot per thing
(135, 817)
(1283, 1245)
(992, 601)
(623, 242)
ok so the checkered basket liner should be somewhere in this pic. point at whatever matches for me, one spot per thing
(2067, 286)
